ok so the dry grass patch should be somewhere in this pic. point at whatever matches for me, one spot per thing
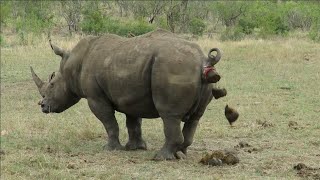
(271, 81)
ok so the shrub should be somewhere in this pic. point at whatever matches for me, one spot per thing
(96, 23)
(93, 22)
(314, 33)
(23, 38)
(162, 23)
(197, 26)
(2, 43)
(234, 34)
(135, 27)
(246, 26)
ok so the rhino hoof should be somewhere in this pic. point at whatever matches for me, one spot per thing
(113, 147)
(164, 155)
(180, 155)
(136, 145)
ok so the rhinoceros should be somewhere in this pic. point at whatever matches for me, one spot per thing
(153, 75)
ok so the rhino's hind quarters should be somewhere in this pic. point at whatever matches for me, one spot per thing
(231, 114)
(210, 75)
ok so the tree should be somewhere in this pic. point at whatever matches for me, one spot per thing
(230, 11)
(71, 12)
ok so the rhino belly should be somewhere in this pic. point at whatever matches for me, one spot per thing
(138, 106)
(128, 83)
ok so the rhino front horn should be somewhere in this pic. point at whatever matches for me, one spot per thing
(36, 79)
(58, 51)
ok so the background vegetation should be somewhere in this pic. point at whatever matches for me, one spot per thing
(230, 20)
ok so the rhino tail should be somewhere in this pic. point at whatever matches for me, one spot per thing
(213, 59)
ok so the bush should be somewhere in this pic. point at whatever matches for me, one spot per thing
(136, 27)
(162, 23)
(246, 26)
(96, 23)
(2, 43)
(93, 22)
(197, 26)
(234, 34)
(314, 33)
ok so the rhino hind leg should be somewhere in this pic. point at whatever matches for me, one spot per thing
(105, 113)
(135, 136)
(189, 129)
(173, 140)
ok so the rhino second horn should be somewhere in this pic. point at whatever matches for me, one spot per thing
(58, 51)
(36, 79)
(214, 59)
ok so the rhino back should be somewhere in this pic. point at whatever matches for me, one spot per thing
(144, 74)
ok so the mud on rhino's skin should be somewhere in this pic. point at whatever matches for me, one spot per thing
(153, 75)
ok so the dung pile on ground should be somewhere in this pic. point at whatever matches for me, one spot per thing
(2, 152)
(294, 125)
(307, 172)
(264, 124)
(247, 147)
(219, 158)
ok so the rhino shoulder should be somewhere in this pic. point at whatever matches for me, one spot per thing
(83, 45)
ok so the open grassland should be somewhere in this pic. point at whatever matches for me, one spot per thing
(270, 82)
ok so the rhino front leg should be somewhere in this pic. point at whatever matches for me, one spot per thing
(135, 136)
(173, 139)
(105, 113)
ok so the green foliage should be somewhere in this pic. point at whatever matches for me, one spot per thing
(97, 23)
(268, 17)
(2, 43)
(32, 23)
(93, 22)
(229, 12)
(197, 26)
(22, 38)
(246, 26)
(5, 7)
(314, 33)
(272, 24)
(26, 18)
(162, 23)
(239, 18)
(137, 27)
(233, 34)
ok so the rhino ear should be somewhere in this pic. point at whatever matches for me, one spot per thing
(58, 51)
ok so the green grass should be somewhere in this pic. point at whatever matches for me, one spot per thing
(269, 80)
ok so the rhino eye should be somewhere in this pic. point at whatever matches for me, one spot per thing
(51, 85)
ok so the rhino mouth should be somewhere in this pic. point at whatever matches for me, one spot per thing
(46, 108)
(49, 109)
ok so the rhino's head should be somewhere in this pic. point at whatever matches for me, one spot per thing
(56, 94)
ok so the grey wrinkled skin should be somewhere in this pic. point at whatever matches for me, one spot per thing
(153, 75)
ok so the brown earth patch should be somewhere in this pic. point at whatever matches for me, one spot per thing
(307, 172)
